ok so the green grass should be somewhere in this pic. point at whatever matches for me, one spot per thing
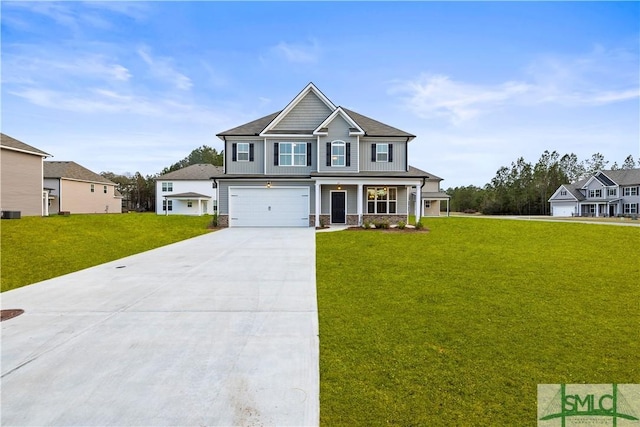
(458, 326)
(39, 248)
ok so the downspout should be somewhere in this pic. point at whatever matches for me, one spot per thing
(224, 158)
(419, 199)
(215, 183)
(406, 154)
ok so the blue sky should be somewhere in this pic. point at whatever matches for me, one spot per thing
(129, 87)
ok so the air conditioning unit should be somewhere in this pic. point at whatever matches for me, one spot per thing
(10, 214)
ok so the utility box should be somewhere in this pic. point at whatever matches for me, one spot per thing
(10, 214)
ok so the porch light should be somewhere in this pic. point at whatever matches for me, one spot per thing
(339, 187)
(268, 184)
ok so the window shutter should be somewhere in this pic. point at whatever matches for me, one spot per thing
(373, 152)
(390, 157)
(275, 154)
(328, 154)
(347, 152)
(234, 152)
(251, 152)
(308, 154)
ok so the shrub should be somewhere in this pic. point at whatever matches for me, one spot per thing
(384, 224)
(419, 225)
(214, 219)
(366, 224)
(401, 225)
(323, 222)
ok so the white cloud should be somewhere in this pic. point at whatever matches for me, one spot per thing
(304, 53)
(163, 69)
(598, 78)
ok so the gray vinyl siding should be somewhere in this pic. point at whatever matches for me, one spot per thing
(338, 129)
(306, 115)
(223, 191)
(352, 198)
(399, 162)
(243, 168)
(559, 197)
(272, 169)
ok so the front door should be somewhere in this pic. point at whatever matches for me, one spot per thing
(338, 204)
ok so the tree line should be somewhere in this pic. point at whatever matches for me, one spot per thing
(139, 192)
(524, 188)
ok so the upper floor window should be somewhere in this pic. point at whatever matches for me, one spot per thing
(93, 188)
(631, 191)
(168, 187)
(338, 153)
(563, 192)
(381, 152)
(242, 152)
(595, 193)
(104, 189)
(612, 192)
(292, 154)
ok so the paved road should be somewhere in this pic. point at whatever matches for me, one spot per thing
(221, 329)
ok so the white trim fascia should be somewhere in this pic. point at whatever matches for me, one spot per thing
(368, 181)
(332, 116)
(43, 155)
(589, 181)
(84, 180)
(558, 191)
(286, 135)
(309, 88)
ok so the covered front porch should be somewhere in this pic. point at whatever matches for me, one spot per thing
(600, 209)
(186, 204)
(354, 201)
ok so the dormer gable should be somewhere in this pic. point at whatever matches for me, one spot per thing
(601, 180)
(354, 128)
(302, 114)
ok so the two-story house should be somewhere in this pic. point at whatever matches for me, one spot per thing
(187, 191)
(316, 163)
(606, 193)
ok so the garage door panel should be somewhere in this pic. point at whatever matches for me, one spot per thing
(563, 209)
(269, 207)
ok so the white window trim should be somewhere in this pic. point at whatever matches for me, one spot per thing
(375, 201)
(630, 208)
(343, 144)
(293, 154)
(166, 203)
(631, 191)
(385, 152)
(243, 152)
(93, 188)
(167, 187)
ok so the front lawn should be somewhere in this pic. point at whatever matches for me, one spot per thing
(39, 248)
(458, 326)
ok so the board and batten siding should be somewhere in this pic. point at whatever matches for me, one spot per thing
(21, 183)
(352, 198)
(223, 191)
(399, 162)
(338, 130)
(245, 168)
(306, 115)
(272, 169)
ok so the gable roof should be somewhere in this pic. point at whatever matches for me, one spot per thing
(13, 144)
(263, 126)
(571, 189)
(72, 170)
(355, 129)
(193, 172)
(617, 177)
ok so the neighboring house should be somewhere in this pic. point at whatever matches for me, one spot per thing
(606, 193)
(432, 196)
(315, 162)
(21, 187)
(187, 191)
(76, 189)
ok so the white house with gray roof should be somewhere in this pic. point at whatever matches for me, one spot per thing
(187, 191)
(315, 162)
(606, 193)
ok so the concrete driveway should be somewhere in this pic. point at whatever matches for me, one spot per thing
(221, 329)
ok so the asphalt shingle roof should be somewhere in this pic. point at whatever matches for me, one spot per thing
(72, 170)
(370, 126)
(198, 171)
(9, 142)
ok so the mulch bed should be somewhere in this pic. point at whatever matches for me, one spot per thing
(10, 313)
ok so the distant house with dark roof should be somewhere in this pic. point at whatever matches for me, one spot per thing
(21, 187)
(187, 191)
(314, 162)
(75, 189)
(606, 193)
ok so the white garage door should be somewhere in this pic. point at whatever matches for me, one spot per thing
(269, 207)
(563, 209)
